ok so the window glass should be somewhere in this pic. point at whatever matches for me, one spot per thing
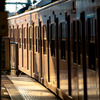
(44, 32)
(91, 43)
(63, 30)
(36, 37)
(53, 31)
(44, 39)
(20, 32)
(52, 40)
(63, 41)
(30, 32)
(92, 27)
(25, 38)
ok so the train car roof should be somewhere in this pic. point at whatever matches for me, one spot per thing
(38, 9)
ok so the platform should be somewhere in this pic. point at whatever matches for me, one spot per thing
(26, 88)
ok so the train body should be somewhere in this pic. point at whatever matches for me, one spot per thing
(58, 45)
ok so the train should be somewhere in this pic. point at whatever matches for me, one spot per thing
(58, 44)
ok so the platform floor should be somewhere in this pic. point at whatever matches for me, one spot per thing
(4, 93)
(29, 88)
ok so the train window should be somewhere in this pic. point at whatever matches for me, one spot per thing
(91, 43)
(9, 32)
(92, 30)
(63, 40)
(20, 32)
(78, 39)
(44, 39)
(25, 38)
(30, 31)
(39, 42)
(74, 42)
(36, 37)
(52, 40)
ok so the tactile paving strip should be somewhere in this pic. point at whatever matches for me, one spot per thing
(31, 89)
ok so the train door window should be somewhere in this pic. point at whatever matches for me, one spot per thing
(24, 38)
(52, 40)
(44, 39)
(78, 39)
(63, 40)
(30, 32)
(20, 32)
(74, 41)
(36, 37)
(11, 33)
(39, 42)
(92, 30)
(91, 41)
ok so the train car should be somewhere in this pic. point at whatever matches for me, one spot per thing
(58, 45)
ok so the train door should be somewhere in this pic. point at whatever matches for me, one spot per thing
(57, 53)
(91, 59)
(64, 57)
(38, 52)
(40, 49)
(74, 68)
(44, 55)
(78, 69)
(79, 61)
(52, 56)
